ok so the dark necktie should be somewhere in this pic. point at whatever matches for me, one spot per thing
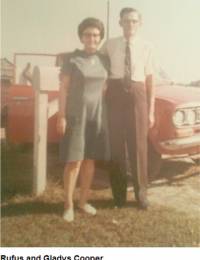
(127, 67)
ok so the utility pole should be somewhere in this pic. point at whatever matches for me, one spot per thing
(108, 19)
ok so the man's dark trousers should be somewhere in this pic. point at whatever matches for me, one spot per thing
(128, 128)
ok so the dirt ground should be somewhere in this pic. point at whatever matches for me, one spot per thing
(177, 186)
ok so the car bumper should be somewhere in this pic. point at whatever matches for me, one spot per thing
(181, 143)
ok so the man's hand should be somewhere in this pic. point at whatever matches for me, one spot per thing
(61, 125)
(151, 119)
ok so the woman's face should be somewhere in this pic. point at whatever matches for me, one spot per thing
(91, 39)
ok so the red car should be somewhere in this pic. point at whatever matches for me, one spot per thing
(177, 125)
(176, 131)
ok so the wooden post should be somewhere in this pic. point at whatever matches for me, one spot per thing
(44, 80)
(40, 142)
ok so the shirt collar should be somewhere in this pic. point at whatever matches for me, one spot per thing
(131, 40)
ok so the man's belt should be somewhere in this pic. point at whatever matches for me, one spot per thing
(123, 83)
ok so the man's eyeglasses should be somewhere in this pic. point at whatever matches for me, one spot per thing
(130, 21)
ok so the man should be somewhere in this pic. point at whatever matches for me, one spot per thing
(130, 100)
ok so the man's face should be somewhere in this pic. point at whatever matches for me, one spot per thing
(130, 22)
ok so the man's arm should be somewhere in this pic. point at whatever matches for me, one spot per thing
(150, 84)
(150, 88)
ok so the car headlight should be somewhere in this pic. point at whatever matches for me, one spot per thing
(191, 117)
(179, 118)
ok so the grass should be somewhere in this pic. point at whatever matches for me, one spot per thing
(37, 221)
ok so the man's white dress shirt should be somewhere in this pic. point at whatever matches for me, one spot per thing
(142, 62)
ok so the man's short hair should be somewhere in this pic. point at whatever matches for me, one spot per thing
(127, 10)
(91, 22)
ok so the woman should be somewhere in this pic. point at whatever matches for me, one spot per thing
(81, 118)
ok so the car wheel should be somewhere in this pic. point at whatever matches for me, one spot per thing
(154, 162)
(197, 161)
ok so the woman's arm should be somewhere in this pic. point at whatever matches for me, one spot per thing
(63, 91)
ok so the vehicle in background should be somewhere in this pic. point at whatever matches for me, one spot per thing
(177, 121)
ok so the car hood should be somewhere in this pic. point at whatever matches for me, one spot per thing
(178, 94)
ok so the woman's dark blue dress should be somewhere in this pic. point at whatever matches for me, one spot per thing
(86, 135)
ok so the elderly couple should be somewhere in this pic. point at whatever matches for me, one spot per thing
(106, 106)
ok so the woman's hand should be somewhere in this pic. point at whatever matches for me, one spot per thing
(61, 125)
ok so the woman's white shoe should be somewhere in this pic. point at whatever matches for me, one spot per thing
(89, 209)
(68, 215)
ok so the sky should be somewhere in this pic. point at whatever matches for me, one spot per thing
(50, 26)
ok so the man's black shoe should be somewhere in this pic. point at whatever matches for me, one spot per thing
(119, 204)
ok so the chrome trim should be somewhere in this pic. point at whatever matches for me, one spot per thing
(188, 105)
(20, 98)
(181, 143)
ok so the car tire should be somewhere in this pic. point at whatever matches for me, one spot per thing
(154, 163)
(196, 161)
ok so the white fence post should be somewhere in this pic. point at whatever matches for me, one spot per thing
(40, 142)
(44, 80)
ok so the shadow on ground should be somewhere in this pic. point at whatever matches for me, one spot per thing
(17, 171)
